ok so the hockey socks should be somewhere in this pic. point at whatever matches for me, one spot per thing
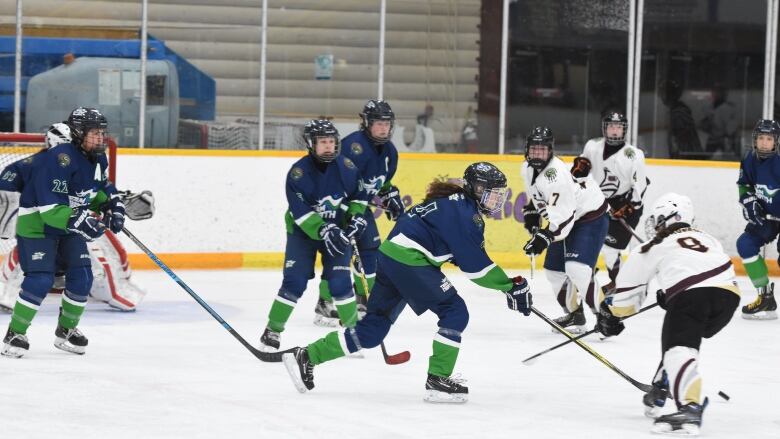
(328, 348)
(359, 289)
(71, 311)
(347, 309)
(24, 312)
(756, 270)
(445, 354)
(280, 313)
(325, 291)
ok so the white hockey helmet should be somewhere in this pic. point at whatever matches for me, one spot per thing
(670, 208)
(58, 133)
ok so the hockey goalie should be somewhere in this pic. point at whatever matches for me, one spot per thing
(112, 274)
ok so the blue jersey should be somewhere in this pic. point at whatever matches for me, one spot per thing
(61, 180)
(328, 194)
(762, 178)
(15, 175)
(446, 230)
(377, 163)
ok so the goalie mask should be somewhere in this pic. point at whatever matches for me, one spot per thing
(57, 134)
(314, 132)
(670, 209)
(485, 184)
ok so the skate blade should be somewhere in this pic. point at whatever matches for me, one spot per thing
(292, 368)
(326, 322)
(63, 344)
(574, 329)
(761, 315)
(357, 354)
(437, 397)
(667, 429)
(13, 352)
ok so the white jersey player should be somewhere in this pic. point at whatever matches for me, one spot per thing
(699, 293)
(577, 225)
(619, 170)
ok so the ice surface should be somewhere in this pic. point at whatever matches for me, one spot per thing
(170, 371)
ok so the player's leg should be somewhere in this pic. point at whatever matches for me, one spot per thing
(616, 241)
(73, 257)
(440, 386)
(336, 270)
(582, 250)
(37, 257)
(325, 313)
(749, 246)
(555, 270)
(11, 277)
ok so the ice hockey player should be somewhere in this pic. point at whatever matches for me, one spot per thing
(758, 185)
(577, 226)
(66, 184)
(374, 154)
(327, 208)
(447, 226)
(700, 295)
(619, 169)
(111, 270)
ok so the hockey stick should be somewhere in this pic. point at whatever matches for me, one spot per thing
(270, 357)
(641, 386)
(401, 357)
(529, 360)
(631, 230)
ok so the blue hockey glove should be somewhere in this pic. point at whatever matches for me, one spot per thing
(336, 242)
(114, 214)
(83, 223)
(606, 323)
(540, 241)
(391, 202)
(752, 209)
(519, 297)
(357, 225)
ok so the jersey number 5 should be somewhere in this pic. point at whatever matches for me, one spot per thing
(692, 243)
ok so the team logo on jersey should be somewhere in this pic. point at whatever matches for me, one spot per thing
(609, 184)
(37, 256)
(373, 185)
(296, 173)
(63, 159)
(479, 221)
(550, 174)
(28, 160)
(356, 148)
(327, 207)
(289, 263)
(630, 153)
(348, 163)
(764, 193)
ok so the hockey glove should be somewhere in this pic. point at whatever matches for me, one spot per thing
(519, 297)
(752, 209)
(581, 167)
(391, 202)
(356, 227)
(608, 324)
(540, 241)
(626, 210)
(138, 206)
(114, 214)
(532, 218)
(336, 242)
(83, 223)
(660, 298)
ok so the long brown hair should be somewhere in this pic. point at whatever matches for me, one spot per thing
(660, 236)
(441, 189)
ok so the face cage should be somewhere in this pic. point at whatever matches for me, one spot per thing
(765, 155)
(492, 200)
(615, 139)
(99, 148)
(535, 161)
(325, 158)
(367, 122)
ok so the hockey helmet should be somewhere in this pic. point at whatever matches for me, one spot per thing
(669, 209)
(318, 128)
(84, 119)
(539, 147)
(486, 184)
(611, 119)
(373, 111)
(766, 127)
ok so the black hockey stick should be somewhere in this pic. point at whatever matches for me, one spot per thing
(529, 360)
(401, 357)
(641, 386)
(631, 230)
(271, 357)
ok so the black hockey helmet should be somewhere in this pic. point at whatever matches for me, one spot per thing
(614, 118)
(766, 127)
(485, 184)
(375, 110)
(316, 128)
(539, 136)
(83, 119)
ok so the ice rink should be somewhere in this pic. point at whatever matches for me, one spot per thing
(170, 370)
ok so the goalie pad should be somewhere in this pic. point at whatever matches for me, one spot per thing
(9, 207)
(138, 206)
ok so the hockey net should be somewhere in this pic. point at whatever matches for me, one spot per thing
(17, 146)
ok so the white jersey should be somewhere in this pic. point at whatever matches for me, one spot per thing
(686, 259)
(622, 173)
(560, 198)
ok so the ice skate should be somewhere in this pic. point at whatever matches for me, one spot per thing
(70, 340)
(325, 314)
(447, 390)
(684, 422)
(764, 307)
(300, 369)
(269, 341)
(14, 345)
(655, 399)
(574, 322)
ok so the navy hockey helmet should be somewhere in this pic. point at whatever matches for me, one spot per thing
(84, 119)
(541, 140)
(377, 110)
(485, 184)
(614, 118)
(319, 128)
(766, 127)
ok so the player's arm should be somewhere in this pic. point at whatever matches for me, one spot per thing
(301, 211)
(389, 193)
(357, 207)
(631, 282)
(52, 186)
(752, 210)
(639, 179)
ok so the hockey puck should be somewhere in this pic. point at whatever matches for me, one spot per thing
(723, 395)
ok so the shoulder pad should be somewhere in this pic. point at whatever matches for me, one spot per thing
(629, 152)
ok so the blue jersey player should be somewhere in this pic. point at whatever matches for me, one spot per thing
(446, 226)
(759, 184)
(371, 150)
(66, 184)
(326, 209)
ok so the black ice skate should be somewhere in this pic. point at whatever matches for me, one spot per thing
(300, 369)
(15, 345)
(269, 341)
(685, 422)
(70, 340)
(764, 307)
(574, 322)
(445, 390)
(325, 314)
(655, 399)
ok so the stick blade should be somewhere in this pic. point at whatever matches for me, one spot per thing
(399, 358)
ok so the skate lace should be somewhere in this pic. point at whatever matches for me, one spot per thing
(455, 379)
(756, 303)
